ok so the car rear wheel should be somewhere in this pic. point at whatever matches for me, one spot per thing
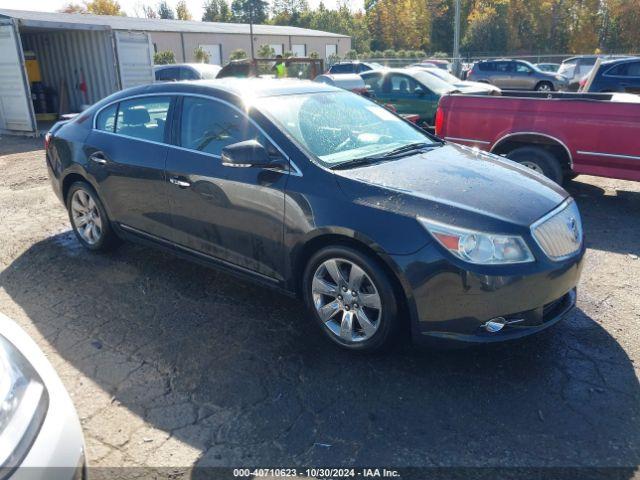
(539, 160)
(544, 87)
(351, 298)
(89, 218)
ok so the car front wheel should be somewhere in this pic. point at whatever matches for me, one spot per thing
(351, 298)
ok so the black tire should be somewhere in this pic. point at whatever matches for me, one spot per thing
(389, 323)
(546, 86)
(543, 161)
(107, 239)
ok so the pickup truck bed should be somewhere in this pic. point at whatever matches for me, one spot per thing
(558, 134)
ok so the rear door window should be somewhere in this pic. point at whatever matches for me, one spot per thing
(487, 66)
(342, 68)
(618, 70)
(188, 74)
(144, 118)
(633, 69)
(168, 74)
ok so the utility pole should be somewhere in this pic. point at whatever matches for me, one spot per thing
(456, 40)
(253, 57)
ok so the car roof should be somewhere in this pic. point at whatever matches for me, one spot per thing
(257, 87)
(614, 61)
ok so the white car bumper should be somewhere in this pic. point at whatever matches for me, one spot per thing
(57, 452)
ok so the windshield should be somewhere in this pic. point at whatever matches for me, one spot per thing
(435, 84)
(444, 75)
(338, 127)
(207, 71)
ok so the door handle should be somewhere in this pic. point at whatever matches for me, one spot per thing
(98, 157)
(180, 183)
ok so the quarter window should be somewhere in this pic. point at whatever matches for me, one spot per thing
(209, 126)
(106, 120)
(144, 118)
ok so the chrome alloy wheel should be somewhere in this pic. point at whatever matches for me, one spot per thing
(86, 217)
(545, 87)
(346, 300)
(533, 166)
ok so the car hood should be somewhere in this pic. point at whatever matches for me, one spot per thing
(478, 86)
(455, 184)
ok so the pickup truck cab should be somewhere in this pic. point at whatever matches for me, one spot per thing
(557, 134)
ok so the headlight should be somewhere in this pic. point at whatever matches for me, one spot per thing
(560, 78)
(23, 405)
(479, 247)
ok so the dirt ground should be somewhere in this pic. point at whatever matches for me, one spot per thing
(171, 364)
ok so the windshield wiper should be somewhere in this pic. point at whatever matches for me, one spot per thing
(356, 162)
(406, 149)
(395, 153)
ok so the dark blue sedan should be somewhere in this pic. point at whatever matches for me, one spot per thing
(378, 226)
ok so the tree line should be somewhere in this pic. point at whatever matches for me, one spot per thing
(488, 27)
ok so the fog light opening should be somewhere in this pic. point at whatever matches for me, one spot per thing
(494, 325)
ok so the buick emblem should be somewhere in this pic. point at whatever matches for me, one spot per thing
(572, 225)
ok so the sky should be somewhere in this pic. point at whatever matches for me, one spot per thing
(130, 6)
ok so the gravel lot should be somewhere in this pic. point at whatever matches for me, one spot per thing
(172, 365)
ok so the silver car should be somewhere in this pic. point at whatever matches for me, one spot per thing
(40, 433)
(516, 75)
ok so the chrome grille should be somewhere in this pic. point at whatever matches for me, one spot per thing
(559, 233)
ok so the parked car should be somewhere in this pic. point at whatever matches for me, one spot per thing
(463, 85)
(353, 67)
(548, 67)
(185, 71)
(346, 81)
(40, 433)
(515, 75)
(322, 193)
(622, 75)
(579, 67)
(562, 136)
(411, 90)
(303, 68)
(438, 62)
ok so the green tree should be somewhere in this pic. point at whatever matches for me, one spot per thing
(238, 54)
(73, 8)
(104, 7)
(265, 51)
(164, 58)
(182, 11)
(200, 55)
(243, 11)
(164, 11)
(216, 11)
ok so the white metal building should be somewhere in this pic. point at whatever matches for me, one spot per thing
(108, 53)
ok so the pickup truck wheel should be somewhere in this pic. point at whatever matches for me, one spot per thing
(544, 87)
(539, 160)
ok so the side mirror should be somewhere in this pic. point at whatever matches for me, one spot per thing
(420, 92)
(249, 153)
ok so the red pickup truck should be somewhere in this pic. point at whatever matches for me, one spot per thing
(557, 134)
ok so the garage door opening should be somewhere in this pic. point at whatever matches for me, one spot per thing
(67, 70)
(47, 72)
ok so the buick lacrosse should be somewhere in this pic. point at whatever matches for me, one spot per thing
(378, 226)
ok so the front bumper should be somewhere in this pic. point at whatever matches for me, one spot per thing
(57, 453)
(451, 303)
